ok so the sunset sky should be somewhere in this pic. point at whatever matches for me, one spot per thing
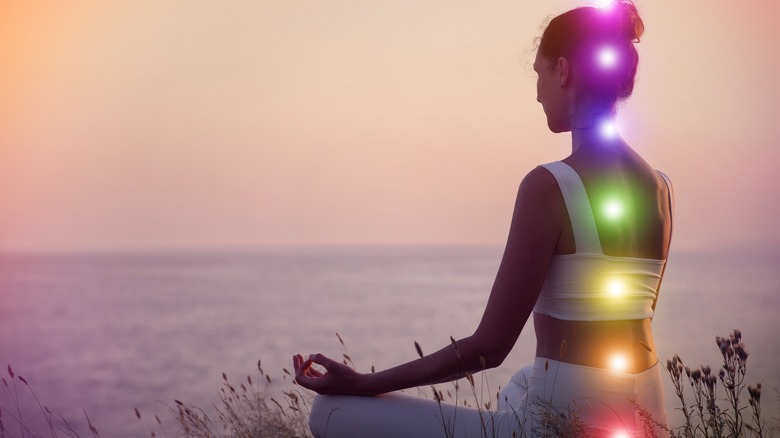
(180, 124)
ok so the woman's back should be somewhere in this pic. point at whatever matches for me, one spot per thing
(599, 296)
(630, 202)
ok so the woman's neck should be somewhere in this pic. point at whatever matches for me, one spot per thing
(594, 138)
(597, 133)
(594, 127)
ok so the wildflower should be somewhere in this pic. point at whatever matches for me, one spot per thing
(741, 353)
(755, 393)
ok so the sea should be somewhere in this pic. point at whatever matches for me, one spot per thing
(120, 335)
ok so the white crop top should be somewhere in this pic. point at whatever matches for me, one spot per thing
(589, 285)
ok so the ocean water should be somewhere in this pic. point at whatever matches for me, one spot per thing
(108, 333)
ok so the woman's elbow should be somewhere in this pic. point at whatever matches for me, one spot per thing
(489, 355)
(494, 358)
(489, 351)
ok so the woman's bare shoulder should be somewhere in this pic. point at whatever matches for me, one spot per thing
(539, 183)
(540, 196)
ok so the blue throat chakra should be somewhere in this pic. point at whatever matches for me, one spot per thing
(608, 129)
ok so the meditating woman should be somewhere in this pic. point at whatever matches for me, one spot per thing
(585, 254)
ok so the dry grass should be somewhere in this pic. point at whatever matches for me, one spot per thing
(56, 423)
(248, 410)
(714, 405)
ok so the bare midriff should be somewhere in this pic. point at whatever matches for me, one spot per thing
(625, 346)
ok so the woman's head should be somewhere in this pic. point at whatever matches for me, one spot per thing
(590, 53)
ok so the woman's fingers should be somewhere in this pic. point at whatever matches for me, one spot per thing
(314, 372)
(297, 361)
(321, 359)
(304, 367)
(337, 378)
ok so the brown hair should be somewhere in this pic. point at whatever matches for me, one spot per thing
(578, 34)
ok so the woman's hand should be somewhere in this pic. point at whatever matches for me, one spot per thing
(337, 378)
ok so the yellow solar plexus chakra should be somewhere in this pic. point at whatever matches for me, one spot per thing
(615, 287)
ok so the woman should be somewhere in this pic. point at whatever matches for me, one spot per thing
(586, 253)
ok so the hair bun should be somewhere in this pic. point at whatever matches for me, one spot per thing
(631, 25)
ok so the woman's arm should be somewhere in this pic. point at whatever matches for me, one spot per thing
(533, 235)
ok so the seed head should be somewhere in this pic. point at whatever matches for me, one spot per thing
(562, 351)
(419, 350)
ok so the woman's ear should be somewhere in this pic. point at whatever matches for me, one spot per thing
(563, 69)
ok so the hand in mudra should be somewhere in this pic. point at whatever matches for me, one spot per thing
(338, 379)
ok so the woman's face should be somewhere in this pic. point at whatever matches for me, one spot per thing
(551, 91)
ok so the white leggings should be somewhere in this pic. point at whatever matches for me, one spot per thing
(600, 397)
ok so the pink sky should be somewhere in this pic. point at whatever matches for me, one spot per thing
(181, 124)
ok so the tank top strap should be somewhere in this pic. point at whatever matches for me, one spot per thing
(671, 195)
(583, 224)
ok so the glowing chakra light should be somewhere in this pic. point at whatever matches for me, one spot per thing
(609, 129)
(607, 57)
(605, 4)
(616, 287)
(613, 209)
(618, 362)
(620, 435)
